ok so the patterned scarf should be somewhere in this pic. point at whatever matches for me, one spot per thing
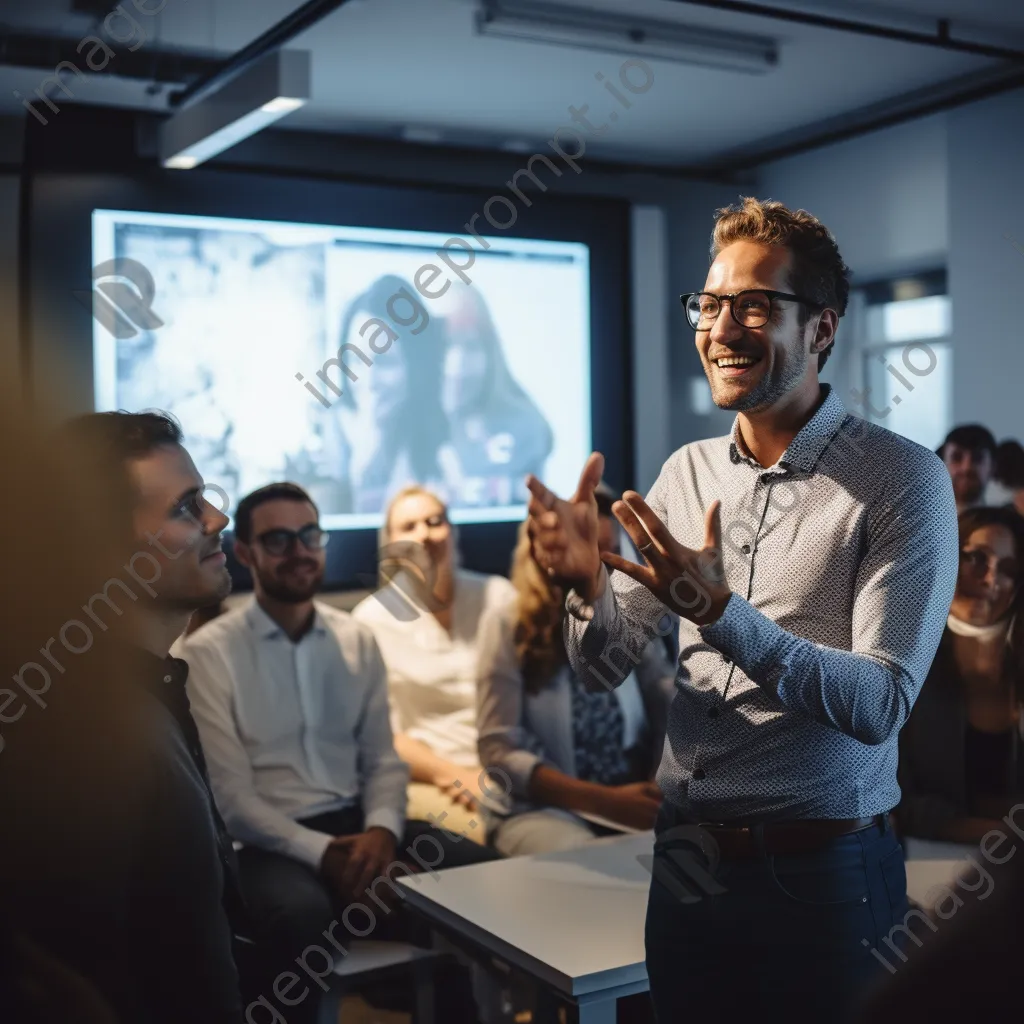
(598, 726)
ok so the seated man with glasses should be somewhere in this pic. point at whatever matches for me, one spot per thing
(291, 702)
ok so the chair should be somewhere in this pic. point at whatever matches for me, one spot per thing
(368, 960)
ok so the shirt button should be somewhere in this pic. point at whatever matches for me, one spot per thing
(745, 549)
(167, 679)
(699, 774)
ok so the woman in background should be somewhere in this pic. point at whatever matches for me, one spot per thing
(425, 620)
(960, 752)
(391, 427)
(498, 435)
(572, 748)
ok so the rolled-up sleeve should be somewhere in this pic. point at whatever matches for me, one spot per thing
(504, 742)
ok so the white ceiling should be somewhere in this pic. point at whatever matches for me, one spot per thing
(384, 66)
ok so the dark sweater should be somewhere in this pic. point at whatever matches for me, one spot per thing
(119, 868)
(932, 767)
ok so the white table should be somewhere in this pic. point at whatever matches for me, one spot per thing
(573, 920)
(932, 863)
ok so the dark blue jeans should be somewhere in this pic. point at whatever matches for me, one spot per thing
(774, 937)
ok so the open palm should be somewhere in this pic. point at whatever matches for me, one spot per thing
(564, 532)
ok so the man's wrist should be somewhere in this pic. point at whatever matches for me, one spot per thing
(386, 834)
(592, 589)
(717, 608)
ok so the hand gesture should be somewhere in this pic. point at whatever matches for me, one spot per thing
(690, 583)
(564, 533)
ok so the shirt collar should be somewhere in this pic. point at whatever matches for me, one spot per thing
(805, 449)
(266, 628)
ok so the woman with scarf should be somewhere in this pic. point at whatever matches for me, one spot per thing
(961, 768)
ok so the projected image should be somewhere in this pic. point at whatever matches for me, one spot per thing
(307, 353)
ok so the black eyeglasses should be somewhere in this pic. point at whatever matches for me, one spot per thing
(280, 540)
(751, 308)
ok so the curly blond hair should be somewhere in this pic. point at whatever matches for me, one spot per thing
(540, 611)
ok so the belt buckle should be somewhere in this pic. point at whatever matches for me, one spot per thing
(707, 842)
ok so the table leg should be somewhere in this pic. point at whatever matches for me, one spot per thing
(597, 1011)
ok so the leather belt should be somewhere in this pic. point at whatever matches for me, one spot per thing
(739, 842)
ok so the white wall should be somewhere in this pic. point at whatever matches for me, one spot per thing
(986, 273)
(885, 197)
(945, 190)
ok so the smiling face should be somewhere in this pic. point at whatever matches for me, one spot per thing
(750, 369)
(184, 527)
(970, 470)
(989, 571)
(294, 576)
(422, 519)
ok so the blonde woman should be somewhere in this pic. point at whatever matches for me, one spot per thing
(575, 751)
(425, 619)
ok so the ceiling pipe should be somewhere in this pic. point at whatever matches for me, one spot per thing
(888, 114)
(940, 40)
(305, 17)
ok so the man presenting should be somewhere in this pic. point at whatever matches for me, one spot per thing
(812, 558)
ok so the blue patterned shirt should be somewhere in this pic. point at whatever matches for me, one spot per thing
(842, 561)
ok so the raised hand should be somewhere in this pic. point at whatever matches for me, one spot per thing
(691, 583)
(564, 533)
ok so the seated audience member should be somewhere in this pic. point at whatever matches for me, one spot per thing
(132, 882)
(969, 453)
(1009, 473)
(426, 621)
(570, 746)
(960, 763)
(291, 702)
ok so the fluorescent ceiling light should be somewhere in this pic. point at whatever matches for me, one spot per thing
(265, 92)
(588, 29)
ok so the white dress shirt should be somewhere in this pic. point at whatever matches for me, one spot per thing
(291, 730)
(431, 672)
